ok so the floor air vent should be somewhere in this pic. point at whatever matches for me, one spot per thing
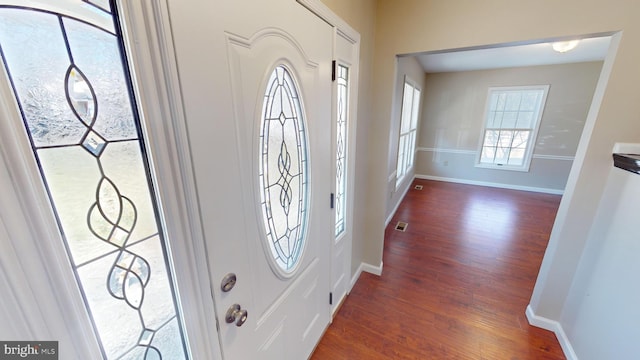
(401, 226)
(418, 187)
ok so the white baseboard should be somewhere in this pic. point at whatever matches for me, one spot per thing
(492, 184)
(371, 269)
(375, 270)
(395, 208)
(355, 278)
(556, 328)
(393, 212)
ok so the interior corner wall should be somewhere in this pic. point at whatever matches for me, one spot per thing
(453, 120)
(407, 66)
(411, 26)
(361, 15)
(601, 314)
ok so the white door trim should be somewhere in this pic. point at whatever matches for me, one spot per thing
(149, 40)
(323, 12)
(351, 132)
(346, 32)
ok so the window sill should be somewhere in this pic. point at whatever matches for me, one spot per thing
(503, 167)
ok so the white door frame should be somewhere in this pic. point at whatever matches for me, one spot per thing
(28, 226)
(154, 64)
(341, 273)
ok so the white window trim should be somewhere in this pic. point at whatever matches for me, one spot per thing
(400, 176)
(534, 131)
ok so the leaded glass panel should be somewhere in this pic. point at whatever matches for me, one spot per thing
(72, 90)
(283, 170)
(341, 147)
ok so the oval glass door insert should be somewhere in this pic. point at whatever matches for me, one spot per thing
(283, 171)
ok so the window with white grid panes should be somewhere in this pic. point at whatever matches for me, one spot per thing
(408, 126)
(512, 119)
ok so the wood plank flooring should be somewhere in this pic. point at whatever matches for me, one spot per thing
(455, 285)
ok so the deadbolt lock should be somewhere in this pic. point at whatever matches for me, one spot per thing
(228, 282)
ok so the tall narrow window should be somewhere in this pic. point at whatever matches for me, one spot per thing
(283, 170)
(408, 126)
(74, 94)
(512, 120)
(342, 117)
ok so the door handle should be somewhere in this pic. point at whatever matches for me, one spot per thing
(235, 313)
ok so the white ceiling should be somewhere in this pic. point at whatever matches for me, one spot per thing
(590, 49)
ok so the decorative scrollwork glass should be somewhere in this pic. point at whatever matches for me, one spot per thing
(341, 147)
(283, 170)
(72, 88)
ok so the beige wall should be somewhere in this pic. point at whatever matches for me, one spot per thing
(410, 67)
(409, 26)
(453, 119)
(361, 15)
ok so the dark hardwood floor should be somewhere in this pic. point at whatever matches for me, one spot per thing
(455, 285)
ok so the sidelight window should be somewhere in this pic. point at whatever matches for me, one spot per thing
(74, 94)
(342, 116)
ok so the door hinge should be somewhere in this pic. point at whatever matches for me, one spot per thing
(330, 298)
(333, 70)
(333, 200)
(217, 325)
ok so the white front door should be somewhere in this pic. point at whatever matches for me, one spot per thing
(256, 83)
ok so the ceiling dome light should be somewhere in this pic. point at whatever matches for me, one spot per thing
(564, 46)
